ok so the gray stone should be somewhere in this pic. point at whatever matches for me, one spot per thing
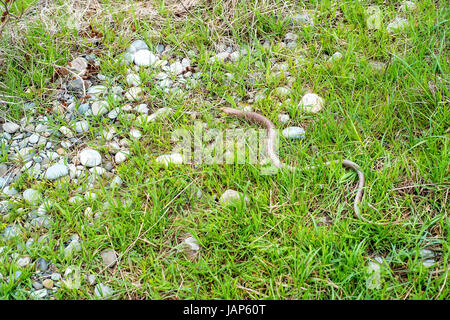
(230, 197)
(11, 232)
(73, 247)
(92, 279)
(133, 79)
(311, 102)
(397, 25)
(83, 108)
(41, 265)
(426, 254)
(56, 276)
(41, 222)
(37, 285)
(82, 126)
(99, 108)
(109, 258)
(138, 45)
(145, 58)
(34, 138)
(116, 182)
(102, 291)
(39, 294)
(10, 191)
(160, 48)
(90, 158)
(56, 171)
(76, 85)
(293, 133)
(23, 262)
(192, 243)
(302, 19)
(32, 196)
(10, 127)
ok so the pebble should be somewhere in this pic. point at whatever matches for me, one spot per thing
(426, 254)
(145, 58)
(10, 127)
(283, 118)
(222, 57)
(41, 222)
(167, 159)
(311, 102)
(79, 65)
(109, 134)
(142, 108)
(133, 79)
(234, 56)
(82, 126)
(134, 93)
(109, 258)
(92, 279)
(428, 263)
(97, 171)
(41, 265)
(121, 156)
(116, 182)
(48, 283)
(293, 132)
(76, 85)
(398, 24)
(135, 133)
(374, 280)
(230, 197)
(23, 262)
(290, 37)
(102, 291)
(113, 113)
(73, 247)
(137, 45)
(160, 48)
(56, 276)
(302, 19)
(56, 171)
(34, 138)
(407, 6)
(11, 232)
(3, 169)
(66, 131)
(32, 196)
(192, 243)
(90, 158)
(377, 66)
(97, 90)
(176, 68)
(99, 108)
(38, 294)
(37, 285)
(162, 112)
(282, 91)
(335, 57)
(3, 182)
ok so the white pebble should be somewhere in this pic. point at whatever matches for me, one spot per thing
(311, 102)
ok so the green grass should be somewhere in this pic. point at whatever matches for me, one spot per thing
(297, 238)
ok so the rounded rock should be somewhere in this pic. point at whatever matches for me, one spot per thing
(10, 127)
(230, 197)
(311, 102)
(144, 58)
(32, 196)
(293, 132)
(90, 158)
(56, 171)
